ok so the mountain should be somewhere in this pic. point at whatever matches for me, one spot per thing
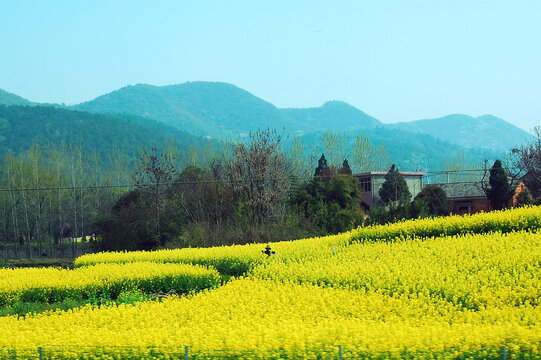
(410, 151)
(332, 115)
(202, 108)
(7, 98)
(21, 125)
(484, 132)
(221, 110)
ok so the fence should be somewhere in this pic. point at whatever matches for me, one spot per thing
(188, 353)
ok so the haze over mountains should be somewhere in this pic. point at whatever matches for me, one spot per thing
(220, 110)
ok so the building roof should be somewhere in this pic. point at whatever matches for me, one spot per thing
(463, 190)
(404, 173)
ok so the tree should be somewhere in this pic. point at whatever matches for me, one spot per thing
(394, 188)
(321, 166)
(526, 160)
(154, 175)
(128, 226)
(345, 169)
(332, 206)
(258, 174)
(363, 153)
(431, 201)
(382, 158)
(524, 198)
(334, 144)
(499, 191)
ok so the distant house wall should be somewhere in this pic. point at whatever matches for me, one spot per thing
(518, 190)
(469, 205)
(469, 197)
(371, 182)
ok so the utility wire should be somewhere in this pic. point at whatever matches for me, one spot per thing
(93, 187)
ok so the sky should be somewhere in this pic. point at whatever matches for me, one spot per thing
(395, 60)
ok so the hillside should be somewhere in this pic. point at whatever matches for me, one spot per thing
(220, 110)
(21, 125)
(201, 108)
(408, 150)
(332, 115)
(7, 98)
(486, 132)
(223, 110)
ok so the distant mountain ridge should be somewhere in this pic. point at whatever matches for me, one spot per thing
(201, 108)
(485, 132)
(222, 110)
(332, 115)
(22, 125)
(7, 98)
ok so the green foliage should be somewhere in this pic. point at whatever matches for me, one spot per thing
(500, 191)
(129, 226)
(202, 108)
(20, 126)
(394, 189)
(431, 201)
(345, 169)
(524, 198)
(321, 166)
(332, 206)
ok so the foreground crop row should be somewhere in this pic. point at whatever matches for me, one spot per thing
(104, 280)
(254, 314)
(238, 260)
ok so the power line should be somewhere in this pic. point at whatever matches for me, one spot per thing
(94, 187)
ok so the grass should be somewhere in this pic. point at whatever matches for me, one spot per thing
(21, 309)
(37, 262)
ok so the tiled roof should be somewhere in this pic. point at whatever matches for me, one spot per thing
(463, 190)
(404, 173)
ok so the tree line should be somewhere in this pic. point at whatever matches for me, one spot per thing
(259, 188)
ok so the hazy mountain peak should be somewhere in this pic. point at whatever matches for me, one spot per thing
(485, 131)
(7, 98)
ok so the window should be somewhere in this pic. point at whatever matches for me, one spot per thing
(366, 184)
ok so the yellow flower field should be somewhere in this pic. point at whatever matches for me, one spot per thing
(53, 284)
(254, 314)
(468, 290)
(238, 259)
(474, 270)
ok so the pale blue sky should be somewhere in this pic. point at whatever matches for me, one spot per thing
(396, 60)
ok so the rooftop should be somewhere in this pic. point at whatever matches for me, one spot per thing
(463, 190)
(404, 173)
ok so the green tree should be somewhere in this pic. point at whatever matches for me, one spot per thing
(394, 189)
(321, 166)
(334, 144)
(499, 191)
(524, 198)
(431, 201)
(345, 169)
(363, 153)
(332, 206)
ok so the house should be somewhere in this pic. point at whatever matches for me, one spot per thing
(470, 198)
(466, 197)
(370, 183)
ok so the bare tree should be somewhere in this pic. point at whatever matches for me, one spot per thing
(334, 144)
(258, 173)
(362, 153)
(154, 174)
(526, 161)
